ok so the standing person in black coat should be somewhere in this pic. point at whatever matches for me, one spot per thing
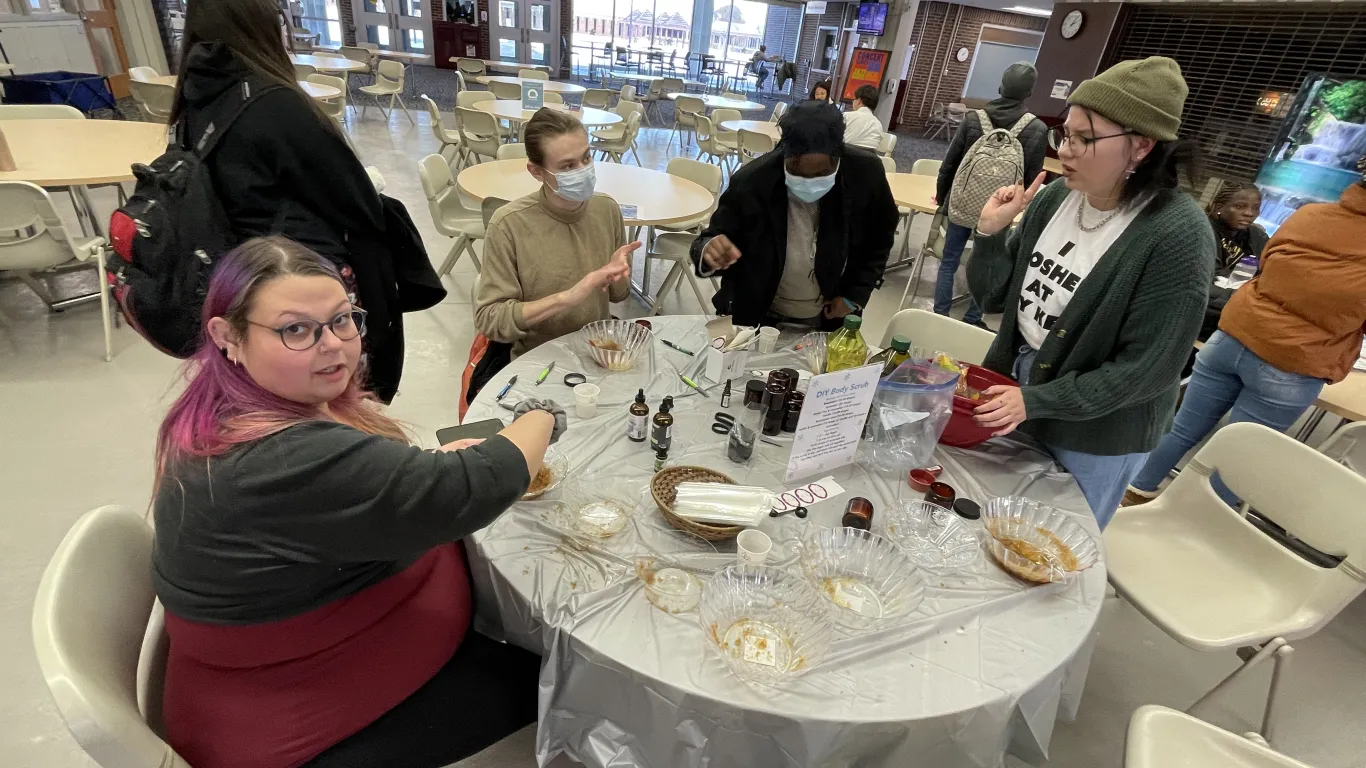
(284, 168)
(1017, 83)
(802, 234)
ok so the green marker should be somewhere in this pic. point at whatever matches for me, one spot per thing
(690, 383)
(545, 373)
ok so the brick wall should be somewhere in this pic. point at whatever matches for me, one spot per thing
(935, 65)
(566, 34)
(348, 21)
(806, 45)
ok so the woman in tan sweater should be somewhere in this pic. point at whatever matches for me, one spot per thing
(555, 259)
(1294, 327)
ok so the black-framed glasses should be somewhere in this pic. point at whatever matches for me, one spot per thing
(303, 335)
(1059, 135)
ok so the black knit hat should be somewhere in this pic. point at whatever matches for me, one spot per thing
(813, 127)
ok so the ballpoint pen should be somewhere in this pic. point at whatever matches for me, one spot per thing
(545, 373)
(503, 392)
(690, 383)
(672, 345)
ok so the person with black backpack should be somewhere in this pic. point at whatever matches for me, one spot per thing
(255, 156)
(975, 167)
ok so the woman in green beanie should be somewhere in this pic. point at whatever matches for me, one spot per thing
(1103, 285)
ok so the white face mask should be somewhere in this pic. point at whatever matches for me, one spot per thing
(577, 185)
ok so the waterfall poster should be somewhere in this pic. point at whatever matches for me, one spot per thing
(1317, 153)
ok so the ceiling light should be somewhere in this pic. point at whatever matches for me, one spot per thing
(1030, 10)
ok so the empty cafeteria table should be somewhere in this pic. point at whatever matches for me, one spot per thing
(325, 63)
(507, 109)
(983, 667)
(721, 102)
(765, 127)
(659, 198)
(553, 86)
(314, 90)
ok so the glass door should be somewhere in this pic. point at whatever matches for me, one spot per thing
(526, 32)
(393, 25)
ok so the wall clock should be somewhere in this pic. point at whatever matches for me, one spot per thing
(1071, 24)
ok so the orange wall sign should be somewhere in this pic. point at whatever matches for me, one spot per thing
(868, 67)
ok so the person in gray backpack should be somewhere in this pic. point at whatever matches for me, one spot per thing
(973, 169)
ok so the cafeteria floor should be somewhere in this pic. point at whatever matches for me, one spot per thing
(76, 433)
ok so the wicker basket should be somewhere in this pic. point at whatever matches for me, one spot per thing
(664, 487)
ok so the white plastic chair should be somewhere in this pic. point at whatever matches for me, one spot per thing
(674, 240)
(676, 247)
(551, 97)
(754, 145)
(302, 71)
(468, 99)
(505, 91)
(449, 214)
(471, 67)
(1202, 572)
(33, 239)
(1159, 737)
(142, 74)
(954, 337)
(39, 112)
(479, 132)
(686, 110)
(926, 167)
(628, 93)
(334, 108)
(1347, 446)
(888, 144)
(532, 74)
(616, 149)
(361, 56)
(597, 98)
(90, 619)
(512, 151)
(728, 139)
(779, 110)
(154, 100)
(451, 147)
(708, 148)
(389, 79)
(889, 165)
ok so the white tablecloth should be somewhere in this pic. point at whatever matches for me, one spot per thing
(985, 666)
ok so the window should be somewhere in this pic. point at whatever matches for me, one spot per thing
(652, 31)
(322, 16)
(31, 7)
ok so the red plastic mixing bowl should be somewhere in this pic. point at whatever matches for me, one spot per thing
(962, 431)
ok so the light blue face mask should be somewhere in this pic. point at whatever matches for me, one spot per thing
(577, 185)
(809, 190)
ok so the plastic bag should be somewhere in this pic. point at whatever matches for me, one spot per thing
(910, 410)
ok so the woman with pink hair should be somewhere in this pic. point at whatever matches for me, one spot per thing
(307, 554)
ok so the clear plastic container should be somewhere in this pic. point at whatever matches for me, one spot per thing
(1035, 542)
(934, 538)
(910, 409)
(865, 581)
(766, 623)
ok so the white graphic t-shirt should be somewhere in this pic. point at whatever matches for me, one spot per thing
(1062, 258)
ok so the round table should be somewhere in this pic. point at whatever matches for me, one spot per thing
(721, 102)
(73, 153)
(659, 198)
(553, 86)
(327, 63)
(914, 190)
(758, 126)
(314, 90)
(507, 109)
(985, 664)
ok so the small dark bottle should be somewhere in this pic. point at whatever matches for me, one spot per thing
(941, 494)
(725, 395)
(638, 423)
(662, 431)
(793, 414)
(858, 513)
(661, 456)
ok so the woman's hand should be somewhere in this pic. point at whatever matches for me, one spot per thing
(1005, 204)
(1004, 413)
(458, 445)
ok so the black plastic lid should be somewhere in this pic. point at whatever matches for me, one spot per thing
(967, 509)
(667, 405)
(640, 396)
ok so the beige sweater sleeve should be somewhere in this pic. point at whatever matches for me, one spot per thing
(620, 290)
(498, 302)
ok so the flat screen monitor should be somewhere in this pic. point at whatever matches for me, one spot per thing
(1316, 155)
(872, 18)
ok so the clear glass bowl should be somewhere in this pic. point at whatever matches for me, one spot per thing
(558, 466)
(615, 344)
(864, 580)
(673, 590)
(766, 623)
(592, 510)
(1035, 542)
(812, 347)
(933, 537)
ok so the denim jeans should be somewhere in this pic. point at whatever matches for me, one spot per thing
(1228, 378)
(955, 240)
(1103, 479)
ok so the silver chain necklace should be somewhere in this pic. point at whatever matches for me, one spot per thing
(1082, 226)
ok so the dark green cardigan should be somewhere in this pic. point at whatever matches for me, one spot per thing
(1106, 379)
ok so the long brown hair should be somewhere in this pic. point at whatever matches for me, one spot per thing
(252, 30)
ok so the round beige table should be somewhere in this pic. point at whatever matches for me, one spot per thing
(507, 109)
(314, 90)
(327, 63)
(553, 86)
(659, 198)
(73, 153)
(758, 126)
(405, 57)
(914, 191)
(721, 102)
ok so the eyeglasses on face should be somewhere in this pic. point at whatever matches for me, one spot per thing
(303, 335)
(1059, 135)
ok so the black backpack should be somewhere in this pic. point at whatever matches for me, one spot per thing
(168, 236)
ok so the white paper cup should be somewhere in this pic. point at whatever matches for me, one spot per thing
(768, 340)
(586, 400)
(752, 547)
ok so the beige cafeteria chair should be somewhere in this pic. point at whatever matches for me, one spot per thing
(616, 149)
(302, 71)
(479, 132)
(452, 148)
(449, 214)
(361, 56)
(505, 91)
(143, 74)
(39, 112)
(1347, 446)
(468, 99)
(471, 67)
(90, 629)
(779, 110)
(36, 241)
(154, 100)
(389, 79)
(1199, 570)
(674, 241)
(686, 110)
(708, 148)
(888, 144)
(1159, 737)
(754, 145)
(728, 139)
(334, 108)
(512, 151)
(551, 97)
(613, 133)
(954, 337)
(532, 74)
(597, 98)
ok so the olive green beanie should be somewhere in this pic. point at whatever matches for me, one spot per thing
(1144, 95)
